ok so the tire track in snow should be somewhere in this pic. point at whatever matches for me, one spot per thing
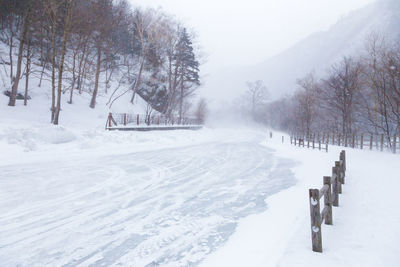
(165, 207)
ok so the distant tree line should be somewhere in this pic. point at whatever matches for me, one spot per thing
(357, 95)
(97, 46)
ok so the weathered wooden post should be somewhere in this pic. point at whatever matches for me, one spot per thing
(109, 119)
(335, 192)
(371, 141)
(343, 157)
(124, 119)
(339, 176)
(381, 142)
(328, 201)
(362, 141)
(316, 235)
(137, 119)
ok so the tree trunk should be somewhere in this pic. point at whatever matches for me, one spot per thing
(61, 64)
(181, 103)
(25, 25)
(137, 83)
(96, 85)
(73, 79)
(53, 71)
(28, 70)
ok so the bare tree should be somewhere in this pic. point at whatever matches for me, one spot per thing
(24, 31)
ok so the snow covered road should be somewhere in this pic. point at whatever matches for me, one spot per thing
(169, 207)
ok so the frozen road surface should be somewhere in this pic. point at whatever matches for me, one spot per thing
(165, 207)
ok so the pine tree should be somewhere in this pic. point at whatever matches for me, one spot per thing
(188, 68)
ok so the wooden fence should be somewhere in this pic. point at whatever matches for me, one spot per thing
(310, 143)
(332, 187)
(360, 141)
(124, 119)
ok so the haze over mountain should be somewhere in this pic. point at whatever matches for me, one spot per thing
(315, 53)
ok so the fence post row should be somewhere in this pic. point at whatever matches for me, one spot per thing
(330, 192)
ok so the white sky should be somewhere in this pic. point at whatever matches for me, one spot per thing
(234, 33)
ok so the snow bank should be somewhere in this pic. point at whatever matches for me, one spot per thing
(365, 230)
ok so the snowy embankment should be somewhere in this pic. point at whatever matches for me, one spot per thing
(366, 225)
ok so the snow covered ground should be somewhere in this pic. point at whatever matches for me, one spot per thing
(366, 226)
(76, 195)
(141, 204)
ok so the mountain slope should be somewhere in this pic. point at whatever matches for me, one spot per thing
(315, 53)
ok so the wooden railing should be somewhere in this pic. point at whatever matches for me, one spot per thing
(310, 143)
(361, 141)
(124, 119)
(332, 187)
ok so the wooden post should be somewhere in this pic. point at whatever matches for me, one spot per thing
(339, 176)
(362, 141)
(335, 192)
(124, 119)
(319, 144)
(343, 157)
(371, 142)
(313, 143)
(137, 119)
(326, 147)
(328, 201)
(394, 143)
(381, 142)
(354, 140)
(109, 119)
(316, 235)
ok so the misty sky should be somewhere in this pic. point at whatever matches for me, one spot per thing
(234, 33)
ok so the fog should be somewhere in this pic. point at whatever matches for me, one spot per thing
(236, 34)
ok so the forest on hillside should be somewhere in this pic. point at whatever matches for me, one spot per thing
(359, 94)
(97, 46)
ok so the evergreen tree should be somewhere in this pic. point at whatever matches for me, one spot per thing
(188, 68)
